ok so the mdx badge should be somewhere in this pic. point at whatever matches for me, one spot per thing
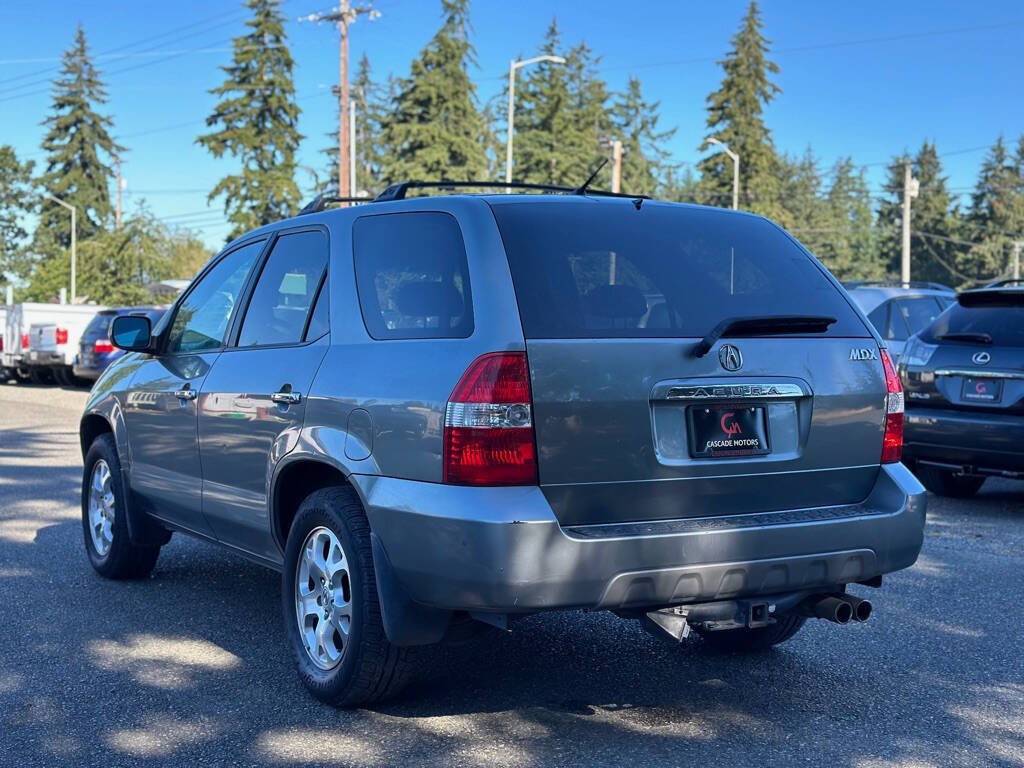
(730, 357)
(863, 353)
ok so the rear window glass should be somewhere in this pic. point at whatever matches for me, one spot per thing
(1004, 324)
(596, 270)
(100, 324)
(412, 276)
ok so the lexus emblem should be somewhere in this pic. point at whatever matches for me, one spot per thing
(730, 357)
(981, 358)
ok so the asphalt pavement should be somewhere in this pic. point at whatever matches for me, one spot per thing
(190, 667)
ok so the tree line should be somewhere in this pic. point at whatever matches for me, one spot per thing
(431, 124)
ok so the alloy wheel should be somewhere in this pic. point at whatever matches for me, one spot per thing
(102, 507)
(323, 598)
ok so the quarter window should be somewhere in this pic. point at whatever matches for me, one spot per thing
(412, 276)
(285, 290)
(202, 318)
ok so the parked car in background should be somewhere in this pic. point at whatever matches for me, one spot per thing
(95, 350)
(964, 383)
(19, 319)
(431, 414)
(5, 372)
(899, 310)
(53, 341)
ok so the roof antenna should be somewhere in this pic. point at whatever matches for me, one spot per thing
(582, 189)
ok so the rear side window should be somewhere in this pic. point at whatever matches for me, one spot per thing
(412, 276)
(593, 269)
(918, 313)
(1004, 324)
(284, 293)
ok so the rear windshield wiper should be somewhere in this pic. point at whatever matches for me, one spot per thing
(976, 338)
(762, 325)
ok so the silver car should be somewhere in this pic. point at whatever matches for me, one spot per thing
(436, 414)
(900, 310)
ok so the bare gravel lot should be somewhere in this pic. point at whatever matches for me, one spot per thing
(189, 667)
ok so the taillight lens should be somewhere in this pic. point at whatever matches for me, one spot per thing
(892, 442)
(488, 424)
(1, 343)
(62, 335)
(24, 341)
(102, 347)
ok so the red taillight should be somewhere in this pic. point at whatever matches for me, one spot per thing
(1, 343)
(892, 442)
(102, 347)
(62, 335)
(24, 341)
(488, 424)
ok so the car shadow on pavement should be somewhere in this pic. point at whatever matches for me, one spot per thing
(191, 666)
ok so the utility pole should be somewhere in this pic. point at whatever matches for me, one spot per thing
(512, 67)
(344, 15)
(616, 166)
(1017, 244)
(911, 187)
(117, 216)
(352, 148)
(74, 230)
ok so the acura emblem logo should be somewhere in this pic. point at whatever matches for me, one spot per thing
(730, 357)
(981, 358)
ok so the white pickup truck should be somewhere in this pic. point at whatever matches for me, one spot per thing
(52, 332)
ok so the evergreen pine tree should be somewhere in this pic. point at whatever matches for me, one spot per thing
(16, 201)
(434, 129)
(79, 149)
(561, 117)
(645, 161)
(996, 215)
(256, 121)
(849, 250)
(803, 209)
(735, 118)
(933, 222)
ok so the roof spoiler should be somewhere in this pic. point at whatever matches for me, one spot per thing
(999, 296)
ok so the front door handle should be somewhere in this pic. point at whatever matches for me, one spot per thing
(186, 393)
(287, 398)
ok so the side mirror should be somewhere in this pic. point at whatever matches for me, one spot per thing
(131, 333)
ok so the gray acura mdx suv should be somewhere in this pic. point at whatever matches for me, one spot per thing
(435, 414)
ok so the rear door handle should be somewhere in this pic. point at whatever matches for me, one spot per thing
(186, 394)
(287, 398)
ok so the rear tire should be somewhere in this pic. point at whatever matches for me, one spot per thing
(104, 517)
(747, 640)
(62, 376)
(328, 588)
(943, 482)
(40, 376)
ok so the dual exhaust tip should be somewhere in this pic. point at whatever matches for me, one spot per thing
(841, 609)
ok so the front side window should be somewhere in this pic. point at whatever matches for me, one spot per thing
(412, 276)
(285, 290)
(202, 318)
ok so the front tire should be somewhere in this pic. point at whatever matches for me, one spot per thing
(943, 482)
(104, 517)
(748, 640)
(329, 602)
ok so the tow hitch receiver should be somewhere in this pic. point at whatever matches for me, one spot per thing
(674, 623)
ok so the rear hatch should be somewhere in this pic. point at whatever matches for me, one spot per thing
(98, 330)
(631, 424)
(971, 358)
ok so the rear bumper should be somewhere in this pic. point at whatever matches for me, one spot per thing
(502, 550)
(987, 442)
(43, 359)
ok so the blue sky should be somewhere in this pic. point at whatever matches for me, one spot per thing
(864, 79)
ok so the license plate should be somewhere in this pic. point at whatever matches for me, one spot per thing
(982, 390)
(727, 430)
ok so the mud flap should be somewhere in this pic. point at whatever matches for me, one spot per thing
(405, 622)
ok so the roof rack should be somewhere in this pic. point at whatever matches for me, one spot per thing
(898, 284)
(399, 190)
(319, 202)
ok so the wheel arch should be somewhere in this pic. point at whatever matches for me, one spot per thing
(293, 482)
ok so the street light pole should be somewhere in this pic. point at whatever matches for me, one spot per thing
(512, 67)
(74, 230)
(735, 171)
